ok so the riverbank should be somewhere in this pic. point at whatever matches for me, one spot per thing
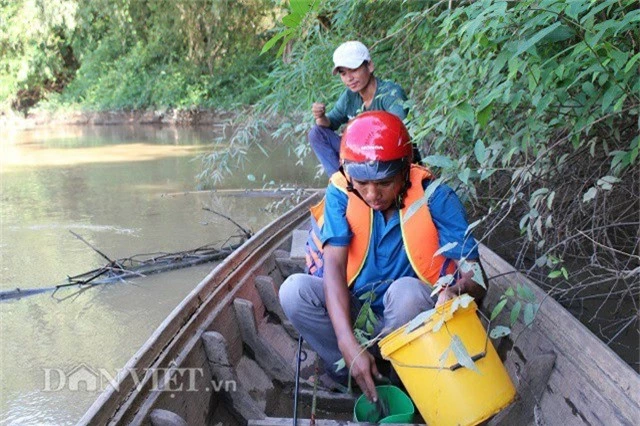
(173, 117)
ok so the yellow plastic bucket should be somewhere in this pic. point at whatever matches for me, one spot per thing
(446, 393)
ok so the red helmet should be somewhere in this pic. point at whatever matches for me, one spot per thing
(375, 145)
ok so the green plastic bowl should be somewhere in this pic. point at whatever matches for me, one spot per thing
(401, 409)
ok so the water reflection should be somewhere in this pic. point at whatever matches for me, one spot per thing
(107, 184)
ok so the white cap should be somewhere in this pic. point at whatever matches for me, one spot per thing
(350, 54)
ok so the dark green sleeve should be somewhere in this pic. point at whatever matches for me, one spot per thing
(338, 114)
(393, 100)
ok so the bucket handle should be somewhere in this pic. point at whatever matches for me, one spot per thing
(453, 367)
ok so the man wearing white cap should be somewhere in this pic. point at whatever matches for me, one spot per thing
(364, 92)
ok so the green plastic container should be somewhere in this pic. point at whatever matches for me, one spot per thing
(401, 408)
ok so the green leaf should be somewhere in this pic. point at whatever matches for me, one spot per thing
(273, 40)
(464, 112)
(499, 331)
(419, 320)
(609, 179)
(589, 195)
(509, 292)
(528, 44)
(464, 175)
(365, 295)
(515, 312)
(372, 317)
(480, 151)
(483, 115)
(554, 274)
(631, 62)
(369, 328)
(529, 314)
(499, 307)
(461, 354)
(612, 94)
(439, 161)
(340, 364)
(606, 182)
(292, 20)
(300, 7)
(525, 293)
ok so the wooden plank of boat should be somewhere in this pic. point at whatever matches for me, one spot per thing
(587, 383)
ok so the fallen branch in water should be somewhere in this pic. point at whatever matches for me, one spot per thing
(139, 265)
(244, 231)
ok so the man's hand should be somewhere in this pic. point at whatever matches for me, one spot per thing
(319, 110)
(363, 369)
(465, 284)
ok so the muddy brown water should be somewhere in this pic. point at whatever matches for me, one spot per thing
(126, 190)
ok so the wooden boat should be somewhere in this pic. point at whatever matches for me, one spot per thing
(231, 330)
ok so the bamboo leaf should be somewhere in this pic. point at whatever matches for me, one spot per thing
(300, 7)
(292, 20)
(524, 292)
(366, 295)
(445, 248)
(273, 40)
(429, 190)
(554, 274)
(499, 331)
(480, 151)
(528, 44)
(472, 226)
(483, 115)
(444, 356)
(439, 161)
(499, 307)
(464, 175)
(529, 314)
(462, 355)
(419, 320)
(515, 312)
(589, 195)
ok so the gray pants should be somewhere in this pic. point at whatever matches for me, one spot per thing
(303, 301)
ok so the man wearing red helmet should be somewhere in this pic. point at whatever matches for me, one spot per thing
(382, 228)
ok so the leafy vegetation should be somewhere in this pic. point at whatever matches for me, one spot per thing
(133, 54)
(528, 108)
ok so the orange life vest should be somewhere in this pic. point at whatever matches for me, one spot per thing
(419, 233)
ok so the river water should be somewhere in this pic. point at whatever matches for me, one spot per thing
(126, 190)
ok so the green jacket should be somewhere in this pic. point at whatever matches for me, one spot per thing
(389, 97)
